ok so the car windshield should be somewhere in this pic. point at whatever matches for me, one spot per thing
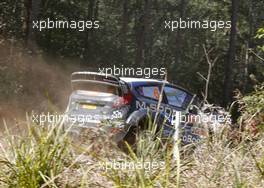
(175, 97)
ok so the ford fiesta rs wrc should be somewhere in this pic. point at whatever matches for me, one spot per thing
(127, 103)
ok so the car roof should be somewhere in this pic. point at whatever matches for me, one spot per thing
(130, 80)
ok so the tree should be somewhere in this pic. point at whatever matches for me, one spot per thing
(92, 9)
(228, 80)
(142, 30)
(124, 28)
(34, 11)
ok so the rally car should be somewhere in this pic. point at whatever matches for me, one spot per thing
(98, 98)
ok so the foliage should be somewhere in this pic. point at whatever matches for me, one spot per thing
(153, 162)
(252, 108)
(36, 158)
(260, 35)
(116, 42)
(41, 156)
(211, 163)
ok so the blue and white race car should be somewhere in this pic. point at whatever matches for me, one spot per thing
(98, 97)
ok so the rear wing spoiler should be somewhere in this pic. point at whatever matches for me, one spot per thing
(94, 77)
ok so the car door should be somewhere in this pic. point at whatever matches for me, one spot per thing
(179, 99)
(147, 96)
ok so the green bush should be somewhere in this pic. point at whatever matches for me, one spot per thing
(35, 159)
(252, 109)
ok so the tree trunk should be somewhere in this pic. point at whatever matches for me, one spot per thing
(88, 35)
(34, 6)
(249, 45)
(179, 37)
(228, 80)
(142, 32)
(26, 18)
(124, 29)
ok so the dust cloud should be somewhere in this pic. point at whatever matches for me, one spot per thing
(31, 82)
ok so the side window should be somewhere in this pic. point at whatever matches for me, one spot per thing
(152, 92)
(175, 97)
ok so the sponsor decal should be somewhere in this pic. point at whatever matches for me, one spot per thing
(153, 107)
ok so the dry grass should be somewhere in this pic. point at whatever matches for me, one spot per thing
(218, 164)
(214, 163)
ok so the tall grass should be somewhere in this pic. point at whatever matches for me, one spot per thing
(33, 159)
(213, 162)
(40, 157)
(44, 157)
(153, 161)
